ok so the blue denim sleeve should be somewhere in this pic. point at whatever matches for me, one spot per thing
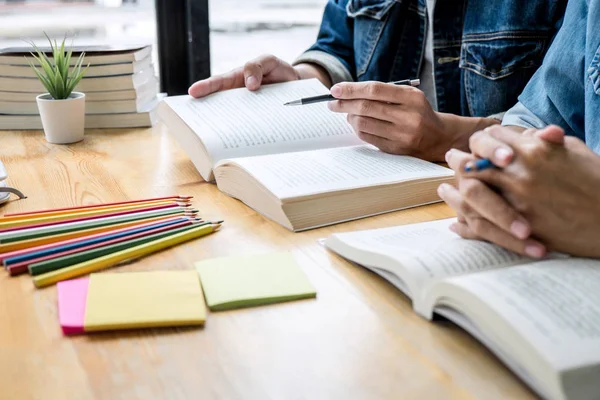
(521, 116)
(555, 93)
(334, 48)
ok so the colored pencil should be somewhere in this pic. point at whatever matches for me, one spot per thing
(101, 235)
(29, 243)
(57, 263)
(174, 197)
(9, 259)
(64, 215)
(61, 219)
(74, 226)
(49, 261)
(121, 256)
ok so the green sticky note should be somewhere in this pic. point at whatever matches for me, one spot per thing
(234, 282)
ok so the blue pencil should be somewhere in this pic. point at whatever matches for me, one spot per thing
(479, 165)
(54, 250)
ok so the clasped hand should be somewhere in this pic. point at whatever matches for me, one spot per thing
(544, 195)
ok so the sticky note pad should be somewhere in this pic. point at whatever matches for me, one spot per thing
(72, 297)
(144, 300)
(233, 282)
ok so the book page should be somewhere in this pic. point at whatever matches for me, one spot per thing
(430, 251)
(241, 123)
(310, 172)
(555, 304)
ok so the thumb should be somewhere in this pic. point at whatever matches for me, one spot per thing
(553, 134)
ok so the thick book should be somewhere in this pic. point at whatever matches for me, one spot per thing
(144, 118)
(87, 84)
(302, 167)
(98, 70)
(94, 55)
(149, 88)
(541, 318)
(91, 107)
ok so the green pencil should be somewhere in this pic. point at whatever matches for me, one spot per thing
(72, 259)
(26, 234)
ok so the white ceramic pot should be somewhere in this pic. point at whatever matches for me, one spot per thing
(63, 120)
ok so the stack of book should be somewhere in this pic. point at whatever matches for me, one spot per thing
(120, 86)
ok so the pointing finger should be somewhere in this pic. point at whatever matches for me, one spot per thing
(379, 91)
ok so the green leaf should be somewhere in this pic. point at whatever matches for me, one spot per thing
(77, 74)
(54, 72)
(77, 77)
(47, 84)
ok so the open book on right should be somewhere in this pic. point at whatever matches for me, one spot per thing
(541, 318)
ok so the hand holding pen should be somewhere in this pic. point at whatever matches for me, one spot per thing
(397, 119)
(500, 154)
(329, 97)
(498, 185)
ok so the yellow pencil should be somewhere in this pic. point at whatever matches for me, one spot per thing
(13, 222)
(124, 255)
(79, 210)
(29, 243)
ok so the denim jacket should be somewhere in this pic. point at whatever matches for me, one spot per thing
(565, 91)
(485, 51)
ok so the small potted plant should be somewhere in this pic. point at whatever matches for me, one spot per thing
(62, 110)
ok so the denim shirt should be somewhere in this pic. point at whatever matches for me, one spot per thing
(565, 91)
(484, 51)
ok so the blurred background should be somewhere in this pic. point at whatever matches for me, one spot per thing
(239, 29)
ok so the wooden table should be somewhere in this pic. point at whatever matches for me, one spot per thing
(358, 340)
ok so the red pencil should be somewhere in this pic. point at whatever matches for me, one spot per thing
(175, 198)
(16, 253)
(80, 219)
(22, 267)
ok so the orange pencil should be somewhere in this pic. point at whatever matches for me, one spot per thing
(175, 197)
(49, 221)
(14, 222)
(89, 210)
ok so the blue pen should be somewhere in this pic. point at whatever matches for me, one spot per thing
(479, 165)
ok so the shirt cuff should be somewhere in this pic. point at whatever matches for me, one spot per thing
(520, 115)
(497, 116)
(334, 67)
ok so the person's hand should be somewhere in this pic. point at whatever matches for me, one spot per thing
(482, 213)
(400, 120)
(552, 181)
(260, 71)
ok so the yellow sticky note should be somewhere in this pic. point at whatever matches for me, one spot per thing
(144, 300)
(233, 282)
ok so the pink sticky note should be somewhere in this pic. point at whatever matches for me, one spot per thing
(72, 296)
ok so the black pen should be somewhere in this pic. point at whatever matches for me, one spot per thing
(328, 97)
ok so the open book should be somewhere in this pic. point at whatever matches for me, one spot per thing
(542, 318)
(303, 167)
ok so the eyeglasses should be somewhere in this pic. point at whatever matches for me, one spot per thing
(6, 190)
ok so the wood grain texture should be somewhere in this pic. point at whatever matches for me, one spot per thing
(358, 340)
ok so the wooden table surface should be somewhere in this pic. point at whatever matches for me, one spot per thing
(359, 339)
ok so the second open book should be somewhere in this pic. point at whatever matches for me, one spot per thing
(303, 167)
(541, 318)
